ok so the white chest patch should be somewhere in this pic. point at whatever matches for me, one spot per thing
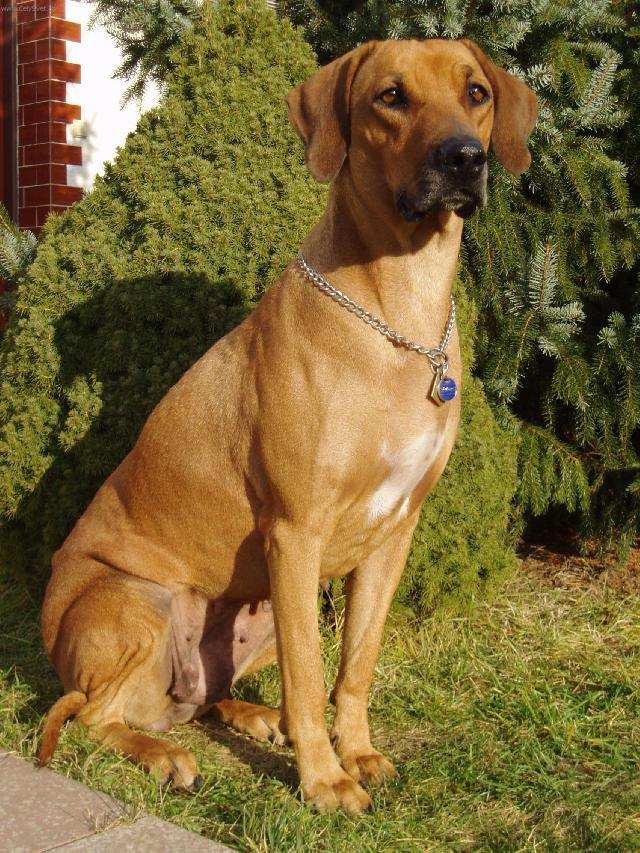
(408, 466)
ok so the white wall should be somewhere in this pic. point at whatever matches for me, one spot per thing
(99, 96)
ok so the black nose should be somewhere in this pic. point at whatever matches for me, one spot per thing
(461, 156)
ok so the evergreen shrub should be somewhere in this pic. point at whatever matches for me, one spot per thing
(17, 251)
(200, 210)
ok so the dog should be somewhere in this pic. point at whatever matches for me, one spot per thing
(300, 447)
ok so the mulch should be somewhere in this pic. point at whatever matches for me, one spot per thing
(566, 561)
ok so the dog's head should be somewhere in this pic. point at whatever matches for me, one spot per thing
(413, 121)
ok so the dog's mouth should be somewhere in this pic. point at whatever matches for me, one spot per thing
(464, 204)
(453, 176)
(464, 201)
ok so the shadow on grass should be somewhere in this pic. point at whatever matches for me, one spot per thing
(262, 759)
(26, 676)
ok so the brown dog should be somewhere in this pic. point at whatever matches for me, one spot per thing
(298, 449)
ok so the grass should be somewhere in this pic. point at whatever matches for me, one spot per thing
(516, 727)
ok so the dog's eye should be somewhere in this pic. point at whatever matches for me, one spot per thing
(393, 97)
(477, 93)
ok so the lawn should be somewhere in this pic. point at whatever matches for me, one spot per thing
(516, 727)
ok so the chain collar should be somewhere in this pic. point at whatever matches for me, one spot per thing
(437, 356)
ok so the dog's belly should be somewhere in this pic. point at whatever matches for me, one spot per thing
(211, 641)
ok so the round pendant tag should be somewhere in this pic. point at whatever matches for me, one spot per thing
(447, 389)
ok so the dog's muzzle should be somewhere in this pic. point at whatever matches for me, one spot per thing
(453, 177)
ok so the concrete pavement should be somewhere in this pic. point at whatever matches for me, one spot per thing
(41, 810)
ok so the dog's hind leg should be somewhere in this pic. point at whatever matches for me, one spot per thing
(166, 761)
(114, 646)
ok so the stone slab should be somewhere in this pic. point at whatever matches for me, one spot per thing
(42, 811)
(146, 835)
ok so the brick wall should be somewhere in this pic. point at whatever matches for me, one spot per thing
(43, 111)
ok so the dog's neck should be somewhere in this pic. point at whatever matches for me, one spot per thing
(400, 271)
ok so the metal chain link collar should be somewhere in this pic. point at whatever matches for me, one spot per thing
(437, 356)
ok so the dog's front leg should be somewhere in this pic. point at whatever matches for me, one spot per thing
(370, 589)
(293, 555)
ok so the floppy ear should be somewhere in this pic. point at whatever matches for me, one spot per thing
(515, 113)
(319, 113)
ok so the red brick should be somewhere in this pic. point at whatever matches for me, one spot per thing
(65, 30)
(43, 90)
(58, 49)
(37, 113)
(65, 195)
(34, 196)
(26, 11)
(20, 74)
(28, 176)
(43, 49)
(27, 134)
(27, 52)
(51, 132)
(34, 71)
(58, 174)
(27, 93)
(35, 30)
(44, 174)
(57, 8)
(66, 154)
(21, 158)
(69, 71)
(64, 112)
(27, 217)
(50, 9)
(57, 90)
(40, 153)
(58, 132)
(34, 113)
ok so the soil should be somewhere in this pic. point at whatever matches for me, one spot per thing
(561, 561)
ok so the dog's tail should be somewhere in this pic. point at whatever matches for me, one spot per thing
(67, 706)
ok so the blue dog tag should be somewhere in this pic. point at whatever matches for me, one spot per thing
(443, 389)
(447, 389)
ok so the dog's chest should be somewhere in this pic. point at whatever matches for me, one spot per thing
(406, 467)
(401, 472)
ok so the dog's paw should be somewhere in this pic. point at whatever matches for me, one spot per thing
(261, 723)
(257, 721)
(341, 793)
(175, 766)
(368, 768)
